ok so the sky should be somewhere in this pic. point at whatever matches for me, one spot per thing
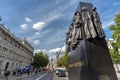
(44, 23)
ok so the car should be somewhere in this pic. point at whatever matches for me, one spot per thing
(61, 73)
(56, 71)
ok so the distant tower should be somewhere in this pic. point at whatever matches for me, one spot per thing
(57, 59)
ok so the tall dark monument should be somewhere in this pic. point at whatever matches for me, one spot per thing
(89, 57)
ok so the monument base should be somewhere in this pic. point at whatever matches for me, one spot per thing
(91, 61)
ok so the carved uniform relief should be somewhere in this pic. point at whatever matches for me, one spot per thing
(97, 23)
(86, 24)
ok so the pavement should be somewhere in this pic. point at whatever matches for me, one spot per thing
(46, 75)
(118, 75)
(11, 77)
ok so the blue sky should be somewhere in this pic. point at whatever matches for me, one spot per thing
(44, 22)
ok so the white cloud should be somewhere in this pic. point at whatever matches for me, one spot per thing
(39, 50)
(28, 19)
(52, 52)
(55, 50)
(36, 42)
(39, 25)
(55, 14)
(37, 33)
(59, 11)
(42, 34)
(45, 51)
(24, 26)
(58, 50)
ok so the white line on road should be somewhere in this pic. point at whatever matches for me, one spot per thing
(41, 76)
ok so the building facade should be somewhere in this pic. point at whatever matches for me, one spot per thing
(14, 53)
(52, 65)
(109, 43)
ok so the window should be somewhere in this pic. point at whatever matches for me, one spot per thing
(5, 52)
(1, 63)
(0, 38)
(12, 64)
(6, 42)
(0, 50)
(10, 42)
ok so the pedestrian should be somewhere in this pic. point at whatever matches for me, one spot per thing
(31, 71)
(19, 72)
(2, 73)
(14, 72)
(6, 74)
(36, 72)
(28, 72)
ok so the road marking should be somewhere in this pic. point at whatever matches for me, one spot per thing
(41, 76)
(50, 75)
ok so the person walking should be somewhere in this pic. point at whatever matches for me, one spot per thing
(6, 74)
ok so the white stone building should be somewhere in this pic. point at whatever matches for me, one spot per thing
(109, 43)
(52, 65)
(14, 53)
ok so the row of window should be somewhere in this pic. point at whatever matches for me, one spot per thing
(4, 52)
(0, 38)
(14, 46)
(7, 43)
(13, 65)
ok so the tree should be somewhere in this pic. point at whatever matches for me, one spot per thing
(40, 60)
(116, 36)
(63, 61)
(115, 58)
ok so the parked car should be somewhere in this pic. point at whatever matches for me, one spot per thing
(61, 73)
(56, 71)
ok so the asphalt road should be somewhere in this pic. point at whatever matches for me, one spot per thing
(60, 78)
(41, 76)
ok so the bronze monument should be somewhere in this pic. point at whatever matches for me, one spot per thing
(89, 57)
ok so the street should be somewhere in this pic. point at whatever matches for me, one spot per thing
(48, 75)
(45, 75)
(60, 78)
(41, 76)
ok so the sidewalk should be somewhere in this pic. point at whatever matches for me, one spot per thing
(11, 77)
(118, 75)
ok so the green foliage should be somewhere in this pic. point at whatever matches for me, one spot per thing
(117, 19)
(63, 61)
(112, 27)
(115, 56)
(116, 26)
(116, 36)
(40, 60)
